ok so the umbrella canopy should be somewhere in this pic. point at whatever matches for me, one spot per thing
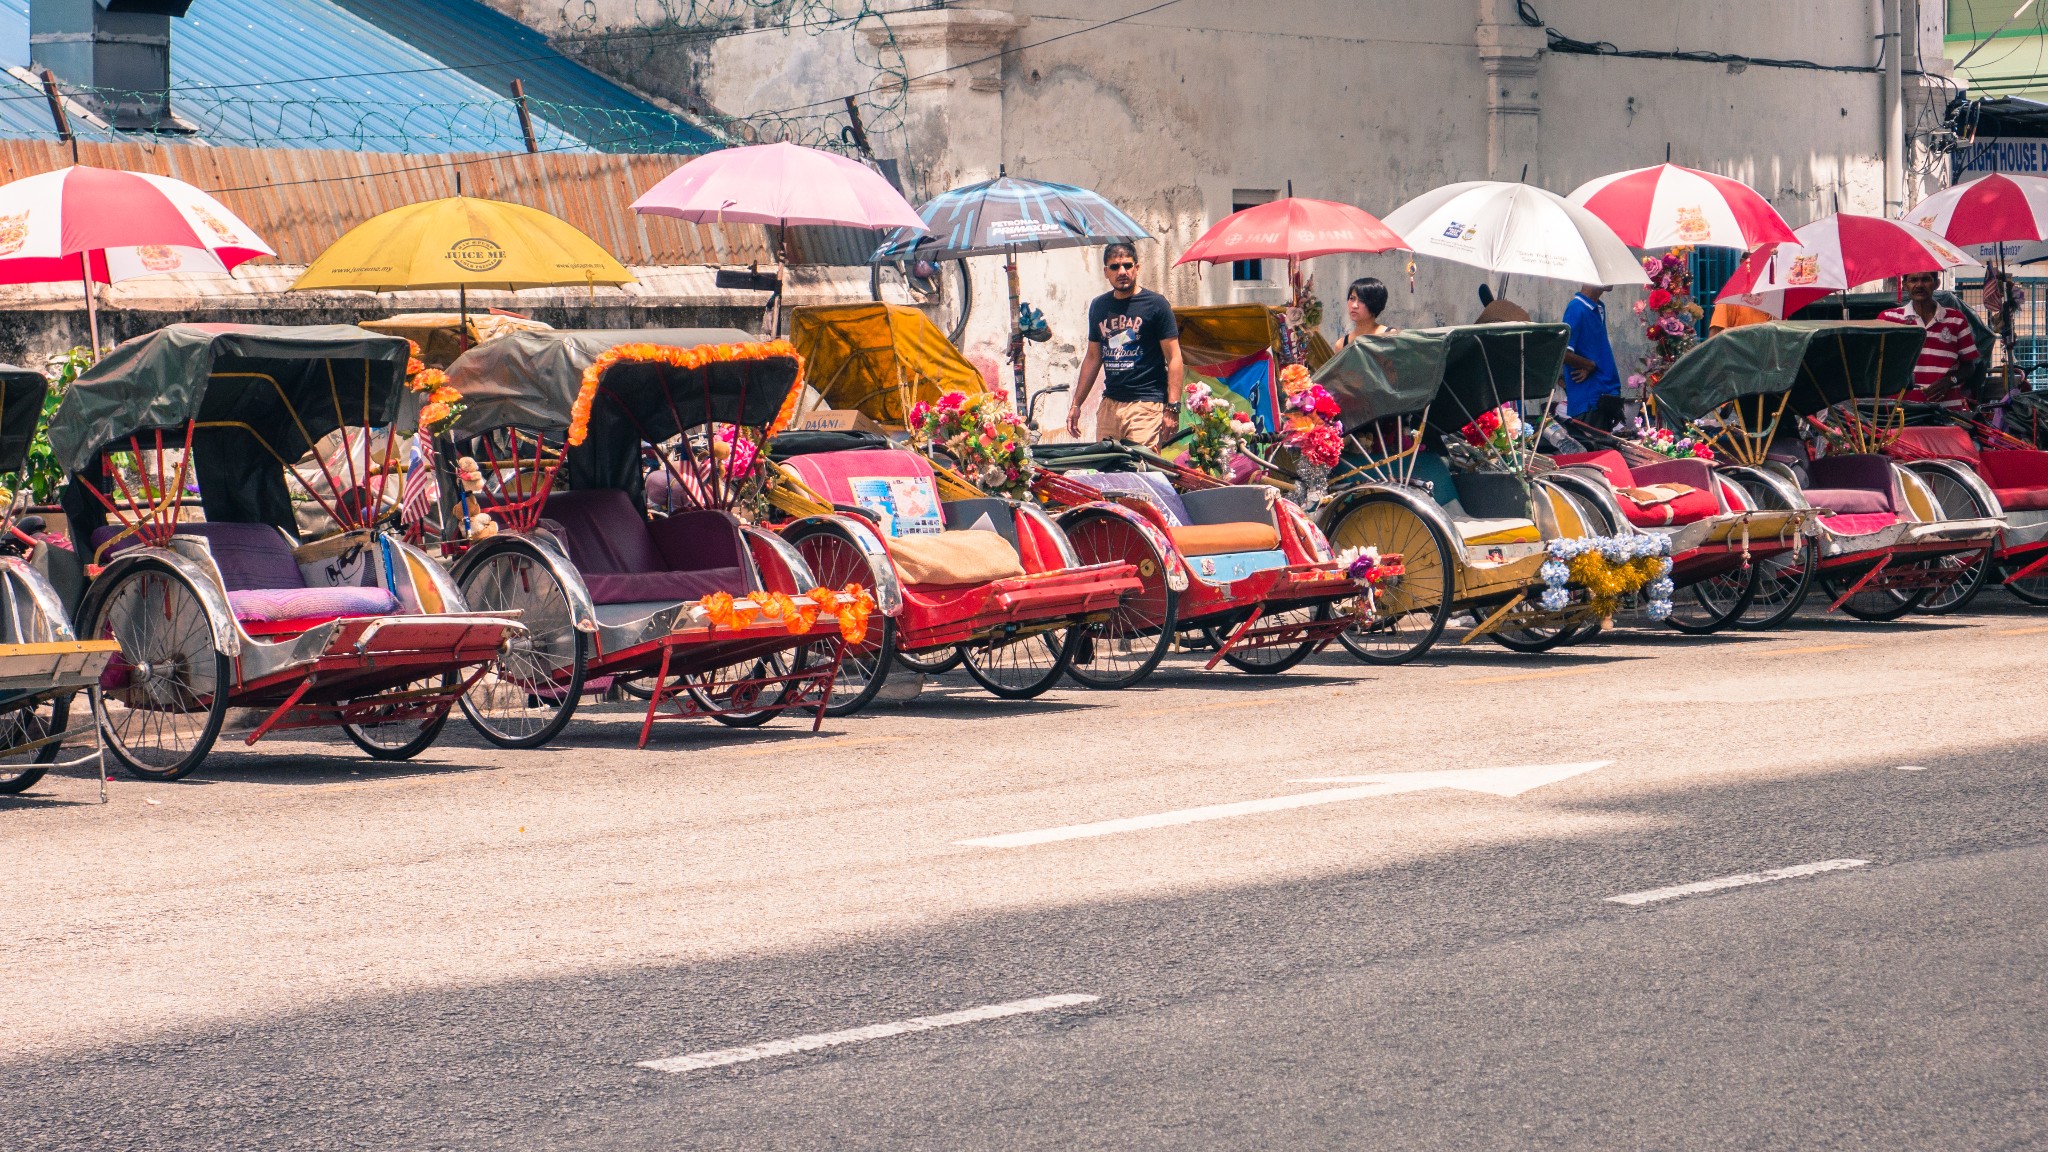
(1988, 210)
(1834, 254)
(1292, 229)
(1517, 230)
(127, 224)
(1821, 362)
(462, 242)
(1668, 205)
(1006, 215)
(779, 184)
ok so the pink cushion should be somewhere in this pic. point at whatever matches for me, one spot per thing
(1850, 500)
(266, 605)
(1686, 509)
(1943, 441)
(2022, 499)
(1607, 460)
(2015, 468)
(831, 474)
(1858, 523)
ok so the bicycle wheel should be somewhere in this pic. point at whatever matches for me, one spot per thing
(730, 700)
(934, 662)
(836, 562)
(165, 695)
(32, 721)
(1126, 647)
(1709, 605)
(530, 691)
(1272, 659)
(401, 738)
(1970, 571)
(1415, 606)
(1020, 666)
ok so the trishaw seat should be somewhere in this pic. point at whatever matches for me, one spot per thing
(1940, 441)
(2019, 477)
(623, 559)
(264, 584)
(1634, 487)
(1858, 484)
(1502, 530)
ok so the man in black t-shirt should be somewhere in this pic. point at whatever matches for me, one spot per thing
(1134, 344)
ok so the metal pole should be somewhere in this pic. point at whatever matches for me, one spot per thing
(92, 316)
(525, 117)
(57, 113)
(1016, 331)
(1894, 108)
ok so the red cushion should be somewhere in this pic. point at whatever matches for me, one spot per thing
(1686, 509)
(2022, 499)
(1941, 441)
(1607, 460)
(2017, 468)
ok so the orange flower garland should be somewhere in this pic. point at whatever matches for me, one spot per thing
(852, 606)
(688, 359)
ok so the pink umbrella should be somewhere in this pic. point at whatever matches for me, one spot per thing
(1989, 210)
(103, 226)
(1667, 205)
(779, 184)
(1834, 254)
(1292, 229)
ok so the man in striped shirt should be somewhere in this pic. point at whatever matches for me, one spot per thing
(1950, 350)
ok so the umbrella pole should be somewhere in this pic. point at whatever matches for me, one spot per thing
(92, 315)
(461, 318)
(1016, 331)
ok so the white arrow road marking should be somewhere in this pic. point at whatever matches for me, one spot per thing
(1697, 887)
(815, 1041)
(1496, 781)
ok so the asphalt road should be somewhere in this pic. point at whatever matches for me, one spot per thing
(300, 949)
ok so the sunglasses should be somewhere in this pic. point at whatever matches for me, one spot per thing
(1120, 267)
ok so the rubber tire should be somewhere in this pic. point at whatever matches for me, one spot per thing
(1832, 589)
(1972, 580)
(1727, 618)
(799, 660)
(938, 667)
(1294, 656)
(223, 671)
(1035, 688)
(849, 565)
(1104, 538)
(410, 748)
(22, 781)
(1386, 504)
(2038, 596)
(579, 659)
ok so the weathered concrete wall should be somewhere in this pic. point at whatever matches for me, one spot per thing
(1366, 101)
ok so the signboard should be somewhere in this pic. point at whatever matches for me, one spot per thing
(2015, 155)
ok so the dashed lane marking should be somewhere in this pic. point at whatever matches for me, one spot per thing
(721, 1057)
(1695, 888)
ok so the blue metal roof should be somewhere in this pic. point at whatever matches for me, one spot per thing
(373, 75)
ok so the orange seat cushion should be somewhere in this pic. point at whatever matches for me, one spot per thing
(1217, 539)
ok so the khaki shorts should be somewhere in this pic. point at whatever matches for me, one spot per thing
(1139, 421)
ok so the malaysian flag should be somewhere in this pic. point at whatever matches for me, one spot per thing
(422, 493)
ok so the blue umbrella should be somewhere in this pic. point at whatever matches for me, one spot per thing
(1003, 217)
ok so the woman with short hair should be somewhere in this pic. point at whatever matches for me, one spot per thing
(1363, 303)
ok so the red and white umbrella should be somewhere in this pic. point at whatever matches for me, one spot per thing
(1988, 210)
(1834, 254)
(1295, 228)
(1669, 205)
(101, 226)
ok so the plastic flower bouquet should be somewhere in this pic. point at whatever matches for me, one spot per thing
(981, 434)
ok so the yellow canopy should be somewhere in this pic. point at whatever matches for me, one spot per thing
(1215, 333)
(879, 359)
(462, 242)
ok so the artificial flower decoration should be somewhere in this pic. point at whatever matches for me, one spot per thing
(1496, 430)
(1668, 314)
(1690, 444)
(982, 434)
(1311, 415)
(689, 360)
(1218, 429)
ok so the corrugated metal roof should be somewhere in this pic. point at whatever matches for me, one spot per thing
(371, 75)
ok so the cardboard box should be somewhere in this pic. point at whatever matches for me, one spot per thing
(838, 420)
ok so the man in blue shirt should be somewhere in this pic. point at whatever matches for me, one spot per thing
(1589, 360)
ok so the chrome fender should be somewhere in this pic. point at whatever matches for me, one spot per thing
(800, 573)
(444, 584)
(581, 609)
(47, 604)
(1964, 475)
(888, 588)
(199, 572)
(1169, 556)
(1594, 489)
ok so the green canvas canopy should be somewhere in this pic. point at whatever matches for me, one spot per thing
(260, 395)
(1820, 362)
(1461, 370)
(21, 406)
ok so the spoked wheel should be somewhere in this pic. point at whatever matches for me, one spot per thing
(1716, 602)
(1272, 659)
(1970, 570)
(165, 695)
(1533, 637)
(837, 562)
(390, 735)
(32, 721)
(1020, 666)
(2033, 589)
(932, 663)
(1125, 648)
(1783, 580)
(1874, 604)
(1414, 607)
(527, 695)
(730, 700)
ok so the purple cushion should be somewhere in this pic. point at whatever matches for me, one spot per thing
(603, 532)
(249, 555)
(1854, 500)
(1862, 470)
(265, 605)
(641, 587)
(697, 540)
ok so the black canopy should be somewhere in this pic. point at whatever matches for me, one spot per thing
(1457, 371)
(21, 405)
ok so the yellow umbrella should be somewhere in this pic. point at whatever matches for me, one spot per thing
(462, 242)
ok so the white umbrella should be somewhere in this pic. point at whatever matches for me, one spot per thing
(1516, 230)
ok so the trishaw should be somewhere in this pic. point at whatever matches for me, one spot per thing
(878, 360)
(707, 615)
(1717, 534)
(43, 666)
(1440, 473)
(1239, 562)
(356, 630)
(961, 577)
(1977, 469)
(1789, 403)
